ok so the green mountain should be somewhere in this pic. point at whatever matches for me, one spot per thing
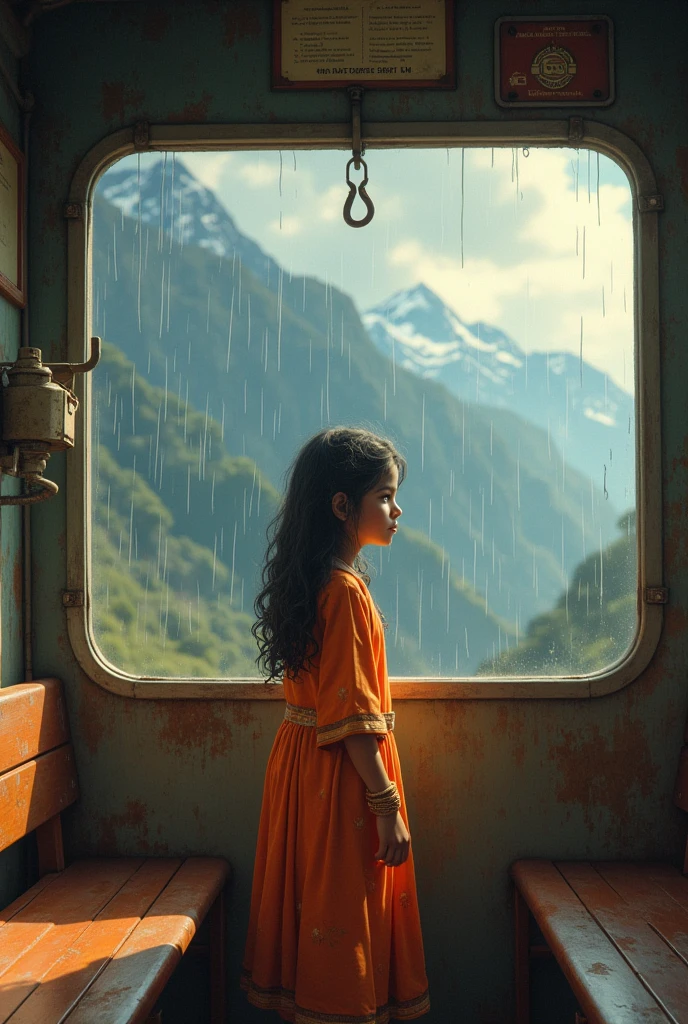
(593, 623)
(497, 522)
(177, 566)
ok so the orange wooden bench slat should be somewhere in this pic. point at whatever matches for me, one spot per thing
(97, 941)
(674, 884)
(40, 994)
(34, 792)
(661, 970)
(33, 720)
(127, 989)
(597, 973)
(74, 897)
(636, 886)
(22, 901)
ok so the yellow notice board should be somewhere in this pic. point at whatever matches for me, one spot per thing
(383, 44)
(11, 220)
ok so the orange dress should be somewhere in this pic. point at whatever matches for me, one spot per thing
(334, 935)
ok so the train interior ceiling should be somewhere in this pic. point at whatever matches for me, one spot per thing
(510, 316)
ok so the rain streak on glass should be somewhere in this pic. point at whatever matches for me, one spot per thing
(481, 323)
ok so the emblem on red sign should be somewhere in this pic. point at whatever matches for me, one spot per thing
(553, 62)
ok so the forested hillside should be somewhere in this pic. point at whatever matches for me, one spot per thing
(213, 379)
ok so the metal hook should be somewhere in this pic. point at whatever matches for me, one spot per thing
(367, 201)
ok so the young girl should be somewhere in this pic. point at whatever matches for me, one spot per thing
(334, 933)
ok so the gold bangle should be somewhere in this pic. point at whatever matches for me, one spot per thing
(386, 802)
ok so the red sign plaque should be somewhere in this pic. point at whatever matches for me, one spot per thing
(554, 62)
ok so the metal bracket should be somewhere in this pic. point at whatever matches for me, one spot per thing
(576, 129)
(73, 598)
(64, 372)
(141, 135)
(74, 211)
(656, 595)
(356, 96)
(651, 204)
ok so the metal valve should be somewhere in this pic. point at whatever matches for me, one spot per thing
(38, 417)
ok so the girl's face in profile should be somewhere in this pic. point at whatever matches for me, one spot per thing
(378, 514)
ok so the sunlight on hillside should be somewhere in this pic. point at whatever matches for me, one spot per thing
(484, 322)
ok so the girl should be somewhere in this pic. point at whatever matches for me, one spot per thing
(334, 933)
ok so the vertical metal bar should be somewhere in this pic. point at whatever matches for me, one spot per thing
(27, 630)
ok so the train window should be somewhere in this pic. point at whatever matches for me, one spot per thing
(485, 320)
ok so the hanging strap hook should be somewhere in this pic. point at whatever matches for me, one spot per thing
(356, 95)
(367, 201)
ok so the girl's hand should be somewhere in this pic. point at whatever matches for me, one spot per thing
(395, 841)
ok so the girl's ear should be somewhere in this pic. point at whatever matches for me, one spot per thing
(340, 505)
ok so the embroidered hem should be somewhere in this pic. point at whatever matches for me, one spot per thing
(355, 724)
(282, 1000)
(381, 723)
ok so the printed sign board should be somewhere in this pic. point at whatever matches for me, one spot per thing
(331, 44)
(11, 220)
(560, 62)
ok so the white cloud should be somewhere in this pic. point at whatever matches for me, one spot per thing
(259, 174)
(288, 226)
(209, 168)
(330, 203)
(475, 291)
(561, 259)
(515, 218)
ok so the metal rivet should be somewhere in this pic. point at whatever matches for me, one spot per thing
(512, 96)
(512, 30)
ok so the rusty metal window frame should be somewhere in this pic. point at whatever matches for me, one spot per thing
(574, 132)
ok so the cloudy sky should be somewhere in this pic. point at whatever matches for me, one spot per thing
(538, 242)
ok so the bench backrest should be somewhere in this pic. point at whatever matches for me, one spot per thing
(37, 769)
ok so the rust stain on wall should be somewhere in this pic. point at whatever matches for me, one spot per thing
(510, 725)
(461, 731)
(116, 97)
(242, 21)
(193, 112)
(200, 726)
(156, 22)
(96, 714)
(601, 771)
(134, 818)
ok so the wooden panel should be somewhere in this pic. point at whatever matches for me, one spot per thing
(33, 720)
(672, 882)
(663, 972)
(46, 985)
(34, 792)
(126, 991)
(73, 897)
(26, 897)
(50, 848)
(597, 973)
(636, 885)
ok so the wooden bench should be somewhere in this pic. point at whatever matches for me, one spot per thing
(96, 941)
(619, 932)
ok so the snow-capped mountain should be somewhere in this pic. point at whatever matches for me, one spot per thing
(171, 202)
(590, 419)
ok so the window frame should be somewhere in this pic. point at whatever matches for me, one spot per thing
(572, 132)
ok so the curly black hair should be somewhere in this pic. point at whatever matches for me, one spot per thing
(305, 536)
